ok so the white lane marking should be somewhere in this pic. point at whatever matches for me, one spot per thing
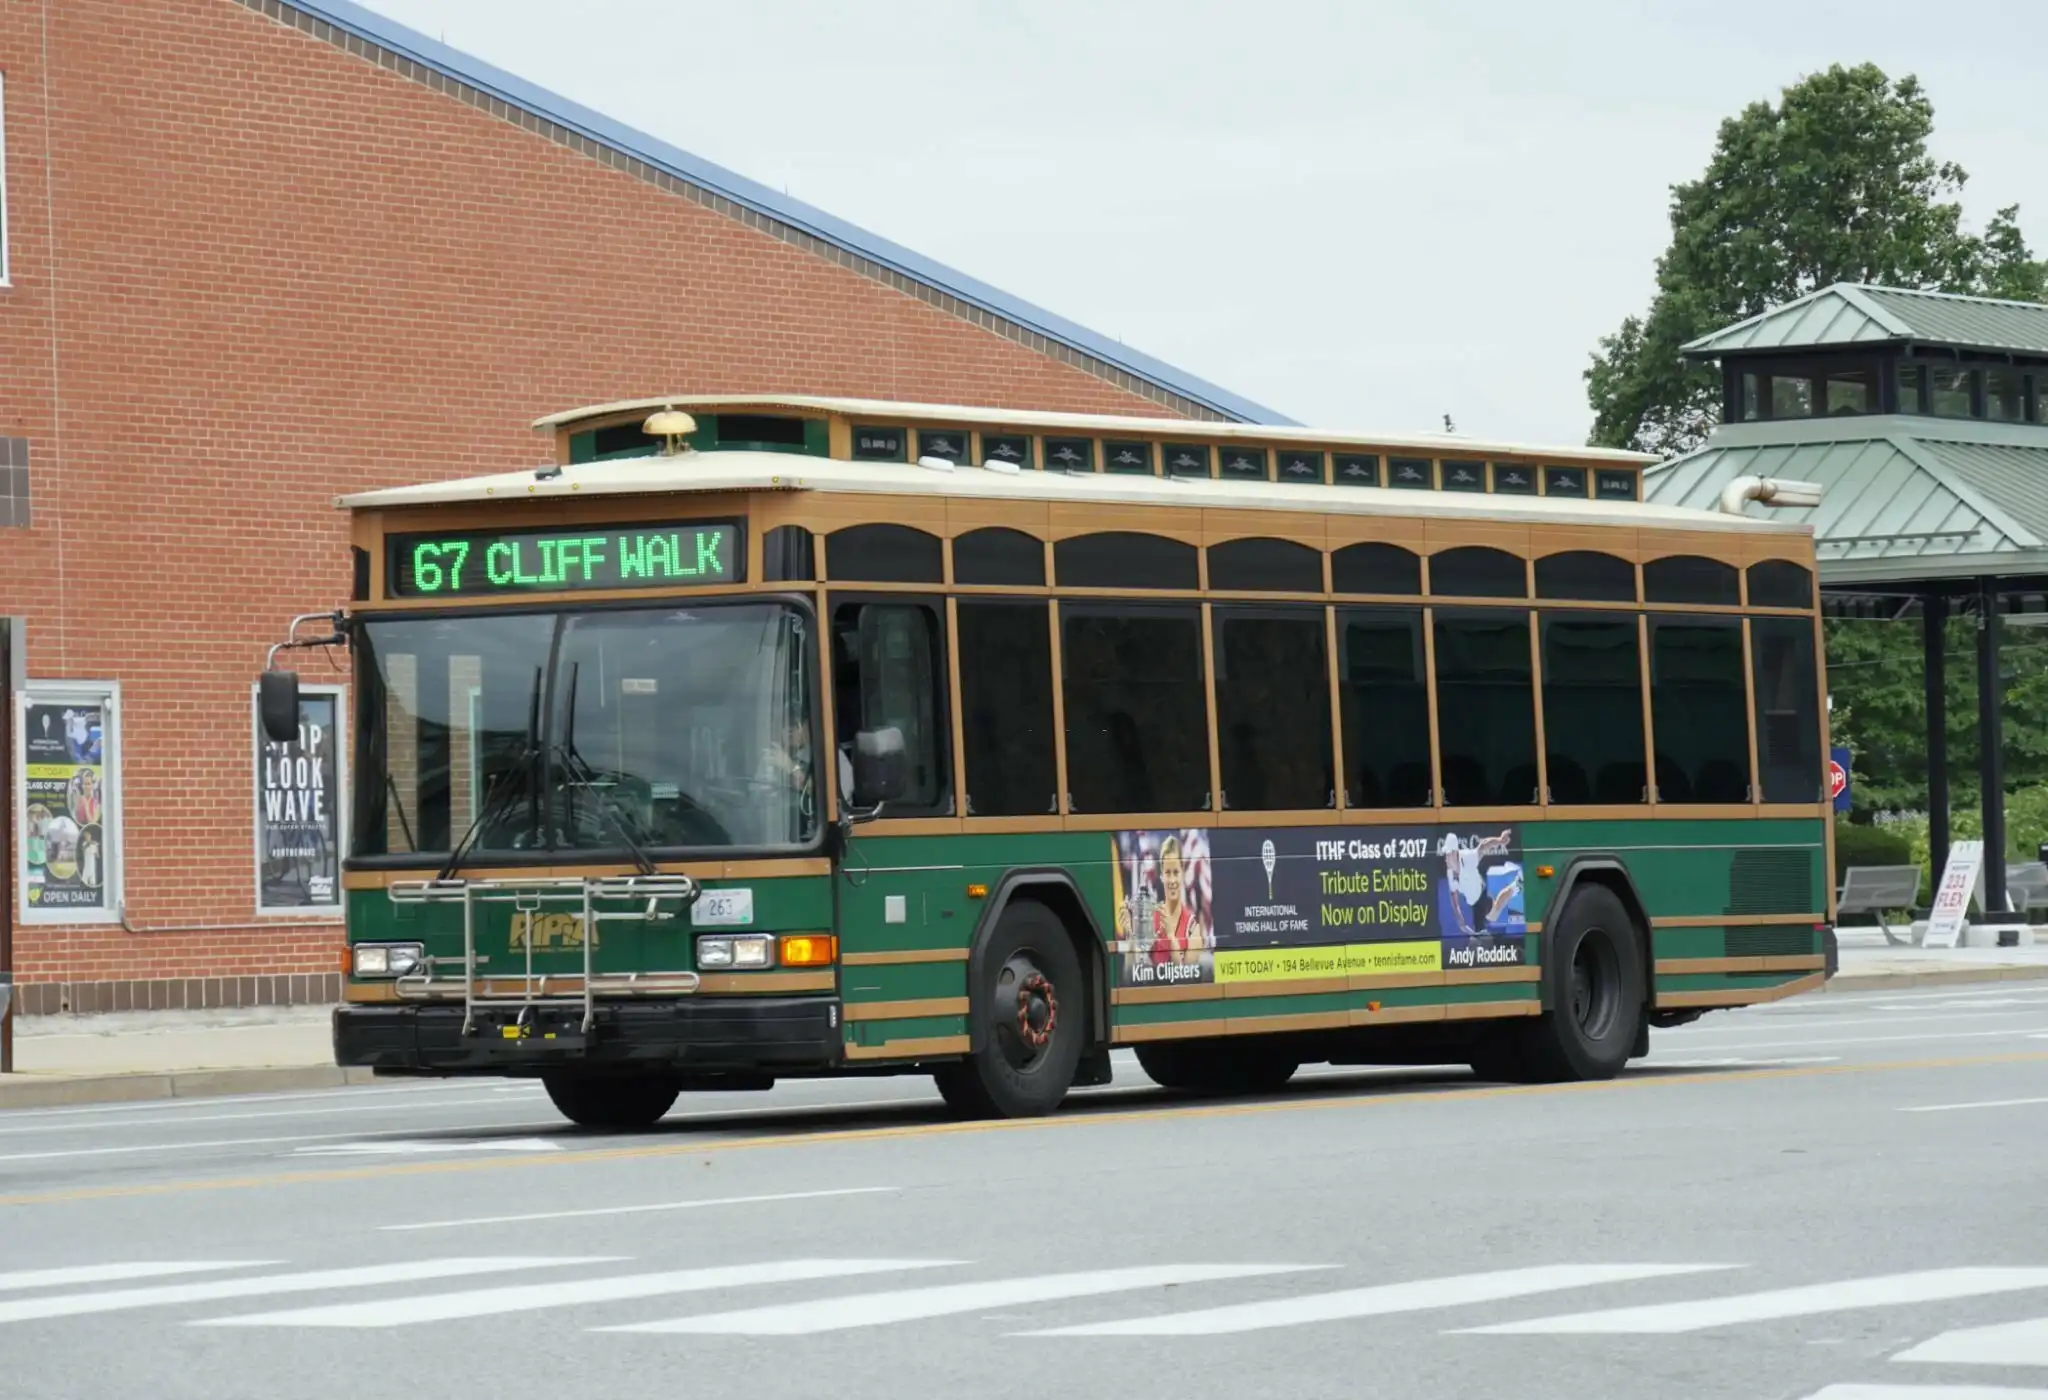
(1821, 1025)
(178, 1120)
(911, 1304)
(1376, 1301)
(353, 1091)
(641, 1210)
(130, 1148)
(1959, 1004)
(2004, 1344)
(1820, 1043)
(413, 1148)
(1926, 1392)
(1735, 1061)
(118, 1273)
(1884, 1290)
(1980, 1103)
(368, 1276)
(529, 1297)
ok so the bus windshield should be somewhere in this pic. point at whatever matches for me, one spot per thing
(671, 729)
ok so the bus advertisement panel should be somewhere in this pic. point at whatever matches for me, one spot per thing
(1245, 904)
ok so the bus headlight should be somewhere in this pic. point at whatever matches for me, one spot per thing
(736, 950)
(388, 959)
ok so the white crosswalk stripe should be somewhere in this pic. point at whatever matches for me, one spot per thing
(2022, 1343)
(1925, 1392)
(119, 1273)
(1377, 1301)
(1888, 1290)
(908, 1305)
(172, 1294)
(529, 1297)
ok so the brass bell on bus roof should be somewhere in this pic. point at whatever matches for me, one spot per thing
(671, 425)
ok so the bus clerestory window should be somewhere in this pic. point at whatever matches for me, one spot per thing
(1474, 571)
(995, 556)
(1376, 568)
(1690, 578)
(883, 554)
(1776, 583)
(1586, 574)
(1265, 566)
(1120, 559)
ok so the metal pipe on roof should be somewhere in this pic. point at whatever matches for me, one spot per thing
(1770, 491)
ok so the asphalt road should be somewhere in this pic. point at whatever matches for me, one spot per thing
(1838, 1196)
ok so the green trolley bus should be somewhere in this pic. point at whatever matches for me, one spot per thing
(759, 737)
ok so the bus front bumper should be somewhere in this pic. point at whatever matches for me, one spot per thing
(689, 1033)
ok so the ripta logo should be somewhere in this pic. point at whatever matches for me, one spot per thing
(548, 931)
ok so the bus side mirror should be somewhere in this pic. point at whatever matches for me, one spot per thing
(881, 766)
(277, 703)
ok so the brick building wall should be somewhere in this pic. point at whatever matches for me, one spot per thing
(253, 267)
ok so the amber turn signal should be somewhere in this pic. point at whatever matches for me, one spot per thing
(808, 949)
(1544, 872)
(977, 891)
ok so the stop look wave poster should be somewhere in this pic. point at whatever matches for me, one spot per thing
(1241, 904)
(67, 858)
(298, 809)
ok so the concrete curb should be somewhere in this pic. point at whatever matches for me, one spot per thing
(1950, 977)
(35, 1091)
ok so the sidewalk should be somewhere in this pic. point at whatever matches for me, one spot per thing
(135, 1055)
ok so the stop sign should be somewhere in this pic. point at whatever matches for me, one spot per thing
(1838, 779)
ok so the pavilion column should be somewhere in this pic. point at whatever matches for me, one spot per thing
(1991, 745)
(1933, 636)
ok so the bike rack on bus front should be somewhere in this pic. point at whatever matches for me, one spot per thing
(530, 897)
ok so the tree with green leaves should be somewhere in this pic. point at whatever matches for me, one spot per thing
(1832, 183)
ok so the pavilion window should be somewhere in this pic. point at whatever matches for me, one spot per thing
(2005, 398)
(1952, 392)
(1849, 392)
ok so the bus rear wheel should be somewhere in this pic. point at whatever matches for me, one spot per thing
(1029, 1014)
(1594, 983)
(617, 1102)
(1218, 1069)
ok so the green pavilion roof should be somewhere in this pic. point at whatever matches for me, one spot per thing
(1848, 314)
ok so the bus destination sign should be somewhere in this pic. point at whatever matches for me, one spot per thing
(487, 563)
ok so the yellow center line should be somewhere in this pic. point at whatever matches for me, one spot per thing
(1072, 1118)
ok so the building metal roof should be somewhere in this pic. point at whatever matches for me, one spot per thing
(953, 415)
(1854, 314)
(520, 96)
(720, 471)
(1903, 499)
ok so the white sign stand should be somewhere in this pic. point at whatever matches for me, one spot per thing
(1952, 897)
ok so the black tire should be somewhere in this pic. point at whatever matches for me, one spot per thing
(617, 1102)
(1028, 985)
(1216, 1068)
(1593, 981)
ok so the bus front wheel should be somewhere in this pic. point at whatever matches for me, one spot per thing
(617, 1102)
(1029, 1010)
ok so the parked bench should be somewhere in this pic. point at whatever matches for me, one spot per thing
(1881, 890)
(2026, 888)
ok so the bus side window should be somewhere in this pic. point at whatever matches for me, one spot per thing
(887, 671)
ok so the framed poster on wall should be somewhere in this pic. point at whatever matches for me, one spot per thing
(301, 796)
(67, 794)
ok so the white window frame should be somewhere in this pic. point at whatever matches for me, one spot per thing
(5, 269)
(319, 914)
(108, 695)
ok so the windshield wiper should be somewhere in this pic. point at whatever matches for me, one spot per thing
(497, 796)
(579, 769)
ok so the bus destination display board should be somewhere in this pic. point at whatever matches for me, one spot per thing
(499, 563)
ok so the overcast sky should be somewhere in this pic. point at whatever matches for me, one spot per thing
(1365, 215)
